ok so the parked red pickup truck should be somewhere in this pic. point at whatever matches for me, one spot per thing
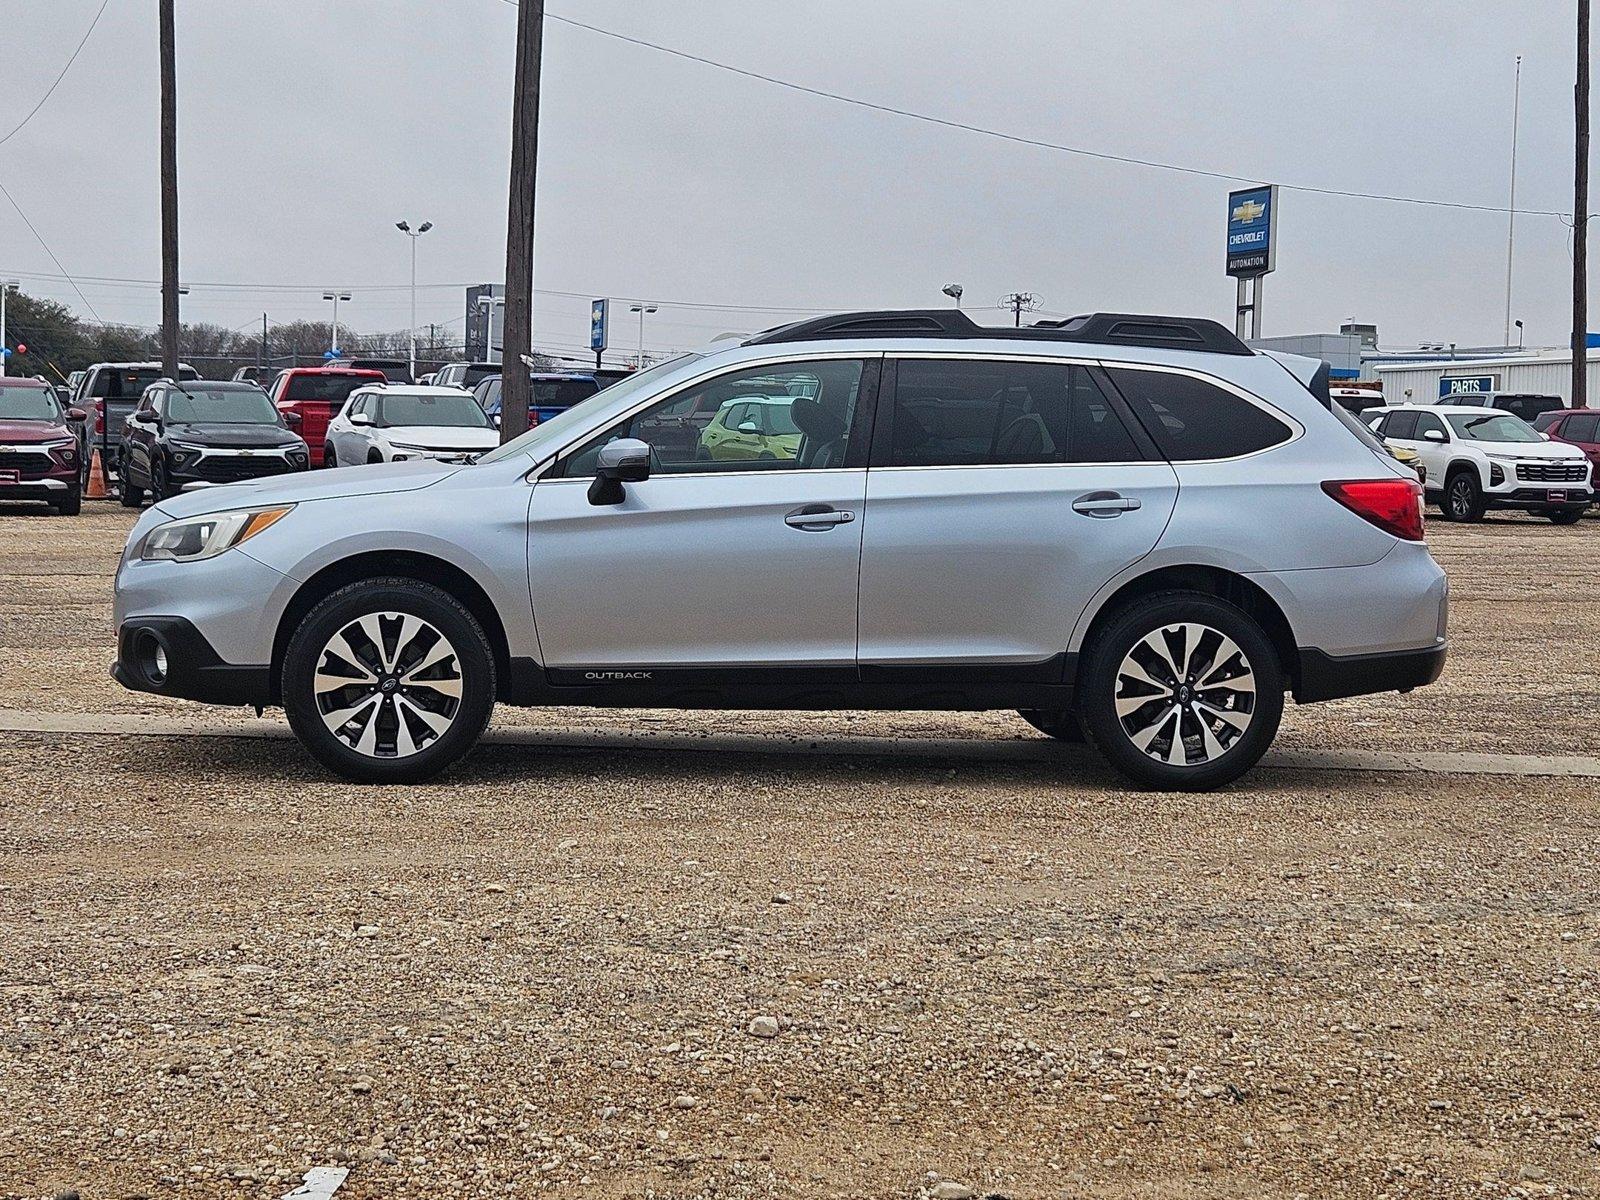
(317, 394)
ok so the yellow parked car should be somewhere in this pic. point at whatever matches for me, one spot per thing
(1407, 457)
(747, 427)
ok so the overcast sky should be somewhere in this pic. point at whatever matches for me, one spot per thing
(307, 129)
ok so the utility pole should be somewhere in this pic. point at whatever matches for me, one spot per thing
(1511, 221)
(1580, 218)
(169, 195)
(1019, 303)
(517, 336)
(261, 351)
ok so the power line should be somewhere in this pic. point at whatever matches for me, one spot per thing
(57, 82)
(7, 193)
(1039, 143)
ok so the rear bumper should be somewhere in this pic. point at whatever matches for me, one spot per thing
(1328, 676)
(194, 671)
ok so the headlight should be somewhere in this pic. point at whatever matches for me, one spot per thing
(177, 445)
(195, 538)
(410, 446)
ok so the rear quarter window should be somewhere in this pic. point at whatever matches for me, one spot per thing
(1192, 420)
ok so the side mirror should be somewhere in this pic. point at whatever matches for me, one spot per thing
(77, 414)
(360, 419)
(1433, 435)
(291, 419)
(626, 460)
(749, 427)
(1545, 436)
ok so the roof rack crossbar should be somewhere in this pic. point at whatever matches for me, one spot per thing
(1125, 329)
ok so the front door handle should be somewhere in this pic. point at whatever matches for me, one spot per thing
(811, 517)
(1104, 504)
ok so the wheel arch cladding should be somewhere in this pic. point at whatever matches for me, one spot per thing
(1212, 581)
(408, 564)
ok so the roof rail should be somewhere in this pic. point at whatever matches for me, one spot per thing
(1123, 329)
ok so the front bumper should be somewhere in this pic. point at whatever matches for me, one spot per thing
(212, 468)
(170, 657)
(1331, 676)
(38, 489)
(1537, 498)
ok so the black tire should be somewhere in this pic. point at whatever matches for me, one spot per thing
(373, 458)
(474, 663)
(160, 485)
(1064, 726)
(329, 458)
(130, 496)
(72, 505)
(1116, 641)
(1463, 498)
(1564, 516)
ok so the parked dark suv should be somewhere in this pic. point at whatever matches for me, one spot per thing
(195, 434)
(39, 446)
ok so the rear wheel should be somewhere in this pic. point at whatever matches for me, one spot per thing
(1463, 498)
(388, 681)
(1182, 691)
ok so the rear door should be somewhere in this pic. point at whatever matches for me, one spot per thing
(1003, 493)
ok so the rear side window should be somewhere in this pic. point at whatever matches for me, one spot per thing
(959, 412)
(1401, 425)
(1192, 420)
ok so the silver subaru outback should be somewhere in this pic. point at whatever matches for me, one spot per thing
(1134, 530)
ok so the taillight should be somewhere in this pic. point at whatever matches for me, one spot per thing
(1393, 505)
(99, 409)
(533, 417)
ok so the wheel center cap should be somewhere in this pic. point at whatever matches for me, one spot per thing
(389, 684)
(1184, 694)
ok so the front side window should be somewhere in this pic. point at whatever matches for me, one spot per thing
(962, 412)
(789, 416)
(1493, 427)
(1429, 423)
(1193, 420)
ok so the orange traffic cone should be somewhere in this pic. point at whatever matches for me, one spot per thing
(97, 478)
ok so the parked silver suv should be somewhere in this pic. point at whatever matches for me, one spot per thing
(1131, 528)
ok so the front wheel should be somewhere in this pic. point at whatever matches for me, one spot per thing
(73, 504)
(1564, 516)
(160, 485)
(1181, 691)
(1463, 498)
(329, 458)
(388, 681)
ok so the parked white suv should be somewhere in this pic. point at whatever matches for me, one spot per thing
(1483, 458)
(406, 422)
(1133, 528)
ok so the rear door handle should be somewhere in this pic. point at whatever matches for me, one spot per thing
(818, 516)
(1104, 504)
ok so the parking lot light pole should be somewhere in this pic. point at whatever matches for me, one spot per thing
(413, 234)
(5, 290)
(336, 297)
(641, 309)
(487, 305)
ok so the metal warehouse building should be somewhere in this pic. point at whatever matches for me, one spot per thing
(1548, 372)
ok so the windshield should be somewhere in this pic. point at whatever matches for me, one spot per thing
(27, 404)
(220, 406)
(555, 432)
(431, 410)
(1492, 427)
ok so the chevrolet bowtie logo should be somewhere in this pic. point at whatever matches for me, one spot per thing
(1249, 211)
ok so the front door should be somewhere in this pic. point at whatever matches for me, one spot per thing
(1003, 494)
(739, 565)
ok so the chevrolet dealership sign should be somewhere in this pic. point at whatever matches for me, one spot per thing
(1252, 230)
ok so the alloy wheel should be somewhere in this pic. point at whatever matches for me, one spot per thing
(388, 685)
(1461, 497)
(1185, 694)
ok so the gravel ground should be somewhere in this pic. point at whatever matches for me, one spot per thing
(559, 971)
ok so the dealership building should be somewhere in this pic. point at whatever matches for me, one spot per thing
(1547, 372)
